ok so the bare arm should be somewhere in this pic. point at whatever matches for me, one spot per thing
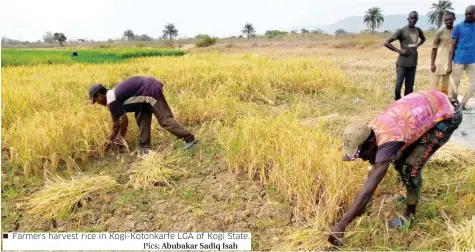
(124, 123)
(363, 198)
(337, 231)
(115, 130)
(113, 135)
(423, 38)
(433, 56)
(388, 45)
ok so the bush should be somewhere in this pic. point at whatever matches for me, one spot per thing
(361, 41)
(204, 40)
(275, 33)
(340, 32)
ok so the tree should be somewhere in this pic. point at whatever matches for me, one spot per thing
(318, 31)
(170, 31)
(340, 32)
(9, 41)
(144, 37)
(248, 29)
(303, 31)
(374, 18)
(48, 38)
(59, 36)
(438, 10)
(129, 35)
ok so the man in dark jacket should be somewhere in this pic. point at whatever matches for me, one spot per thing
(142, 95)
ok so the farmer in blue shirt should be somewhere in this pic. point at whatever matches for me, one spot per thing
(463, 55)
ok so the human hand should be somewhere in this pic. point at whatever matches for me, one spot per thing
(404, 52)
(336, 235)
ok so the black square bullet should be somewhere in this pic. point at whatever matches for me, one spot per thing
(5, 236)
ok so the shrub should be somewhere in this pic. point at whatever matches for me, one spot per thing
(204, 40)
(275, 33)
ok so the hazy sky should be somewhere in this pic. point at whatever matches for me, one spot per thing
(103, 19)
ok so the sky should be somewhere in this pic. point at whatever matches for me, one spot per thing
(104, 19)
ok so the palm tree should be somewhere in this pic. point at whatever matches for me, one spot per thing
(438, 10)
(374, 18)
(248, 29)
(170, 31)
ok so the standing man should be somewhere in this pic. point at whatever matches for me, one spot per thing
(142, 95)
(463, 45)
(440, 54)
(407, 61)
(406, 134)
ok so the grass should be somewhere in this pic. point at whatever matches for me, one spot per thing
(17, 57)
(462, 236)
(275, 150)
(273, 117)
(360, 41)
(48, 126)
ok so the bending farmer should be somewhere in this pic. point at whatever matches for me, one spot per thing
(143, 96)
(406, 134)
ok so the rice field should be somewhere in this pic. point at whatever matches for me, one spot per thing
(269, 121)
(17, 57)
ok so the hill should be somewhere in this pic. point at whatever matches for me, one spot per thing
(391, 23)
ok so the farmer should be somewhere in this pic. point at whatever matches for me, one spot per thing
(463, 45)
(144, 96)
(407, 61)
(406, 134)
(440, 54)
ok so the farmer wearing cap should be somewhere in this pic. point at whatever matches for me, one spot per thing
(142, 95)
(406, 134)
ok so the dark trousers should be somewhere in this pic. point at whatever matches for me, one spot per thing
(412, 159)
(165, 118)
(406, 75)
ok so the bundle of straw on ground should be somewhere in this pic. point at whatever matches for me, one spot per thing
(152, 169)
(60, 195)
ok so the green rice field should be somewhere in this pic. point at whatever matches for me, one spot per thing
(18, 57)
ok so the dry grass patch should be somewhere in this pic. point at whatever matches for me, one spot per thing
(452, 152)
(461, 237)
(303, 162)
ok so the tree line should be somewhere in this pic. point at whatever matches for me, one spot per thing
(373, 18)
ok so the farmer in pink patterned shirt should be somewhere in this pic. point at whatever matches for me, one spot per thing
(406, 134)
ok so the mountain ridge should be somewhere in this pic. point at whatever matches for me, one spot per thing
(391, 23)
